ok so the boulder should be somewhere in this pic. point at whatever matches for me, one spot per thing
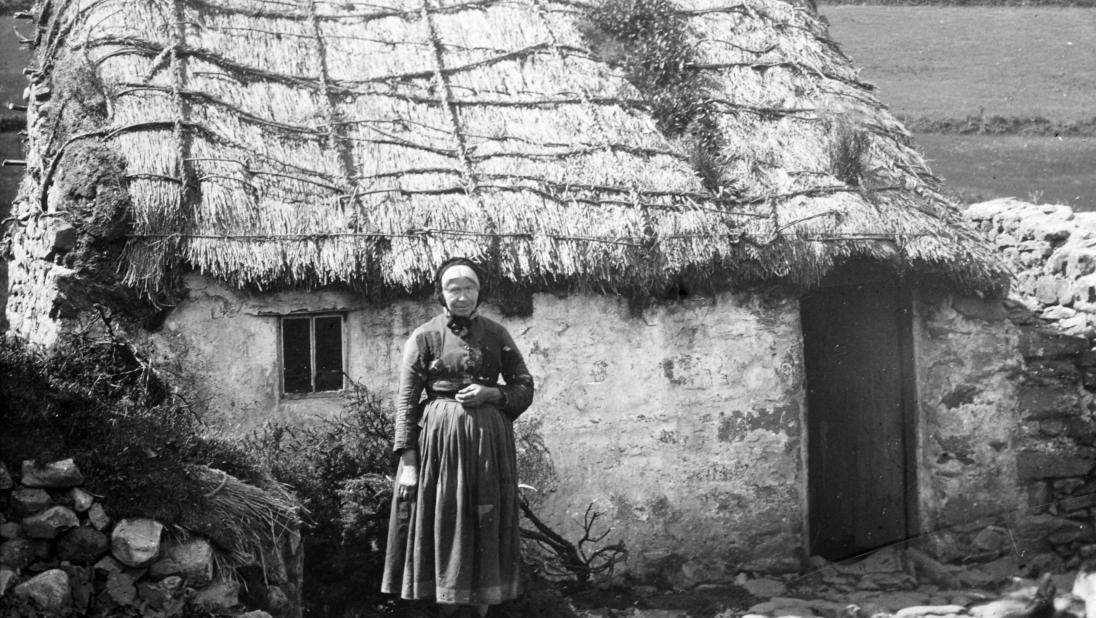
(121, 588)
(97, 517)
(217, 597)
(929, 569)
(990, 539)
(1079, 531)
(160, 593)
(83, 545)
(765, 587)
(10, 530)
(1036, 401)
(81, 586)
(26, 501)
(17, 553)
(1082, 500)
(49, 523)
(1044, 342)
(53, 475)
(255, 613)
(1032, 465)
(136, 542)
(7, 578)
(1001, 608)
(81, 500)
(191, 559)
(6, 481)
(49, 591)
(108, 565)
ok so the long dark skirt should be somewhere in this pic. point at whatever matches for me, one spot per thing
(458, 542)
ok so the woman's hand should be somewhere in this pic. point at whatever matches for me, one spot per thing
(409, 475)
(476, 395)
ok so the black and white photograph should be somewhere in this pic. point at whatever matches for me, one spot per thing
(548, 308)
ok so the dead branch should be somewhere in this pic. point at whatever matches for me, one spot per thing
(571, 559)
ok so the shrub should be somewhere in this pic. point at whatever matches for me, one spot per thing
(337, 468)
(144, 450)
(340, 469)
(95, 399)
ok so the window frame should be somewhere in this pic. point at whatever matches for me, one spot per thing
(344, 356)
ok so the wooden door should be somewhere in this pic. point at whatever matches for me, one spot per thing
(859, 419)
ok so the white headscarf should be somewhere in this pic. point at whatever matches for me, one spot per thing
(459, 271)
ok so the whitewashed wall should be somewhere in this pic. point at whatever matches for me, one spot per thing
(683, 425)
(968, 370)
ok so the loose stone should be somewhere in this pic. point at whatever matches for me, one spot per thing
(49, 591)
(81, 500)
(218, 596)
(97, 517)
(17, 553)
(7, 578)
(192, 560)
(10, 530)
(50, 522)
(26, 501)
(82, 545)
(136, 542)
(53, 475)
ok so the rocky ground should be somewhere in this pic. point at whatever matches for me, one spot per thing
(889, 583)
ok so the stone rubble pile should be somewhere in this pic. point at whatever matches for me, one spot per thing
(62, 554)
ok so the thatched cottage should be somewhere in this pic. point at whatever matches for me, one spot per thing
(758, 328)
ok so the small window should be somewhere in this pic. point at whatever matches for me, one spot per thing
(312, 354)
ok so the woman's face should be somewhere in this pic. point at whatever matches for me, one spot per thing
(461, 296)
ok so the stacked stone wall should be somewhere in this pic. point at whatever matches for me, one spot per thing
(1056, 445)
(1052, 251)
(62, 554)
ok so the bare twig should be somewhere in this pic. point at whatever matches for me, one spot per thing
(570, 559)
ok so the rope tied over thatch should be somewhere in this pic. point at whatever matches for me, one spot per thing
(616, 145)
(445, 97)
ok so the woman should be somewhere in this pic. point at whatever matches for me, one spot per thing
(453, 534)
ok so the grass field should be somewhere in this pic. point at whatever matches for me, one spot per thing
(936, 65)
(1040, 169)
(951, 62)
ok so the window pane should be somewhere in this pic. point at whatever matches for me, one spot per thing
(329, 356)
(296, 356)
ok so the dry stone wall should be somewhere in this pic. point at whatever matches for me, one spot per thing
(1052, 251)
(62, 554)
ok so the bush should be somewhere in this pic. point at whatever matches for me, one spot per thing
(144, 450)
(337, 468)
(340, 469)
(95, 399)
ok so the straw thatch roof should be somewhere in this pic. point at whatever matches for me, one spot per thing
(287, 142)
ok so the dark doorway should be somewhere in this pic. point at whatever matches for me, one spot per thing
(860, 421)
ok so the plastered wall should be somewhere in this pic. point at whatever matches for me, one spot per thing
(682, 425)
(968, 370)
